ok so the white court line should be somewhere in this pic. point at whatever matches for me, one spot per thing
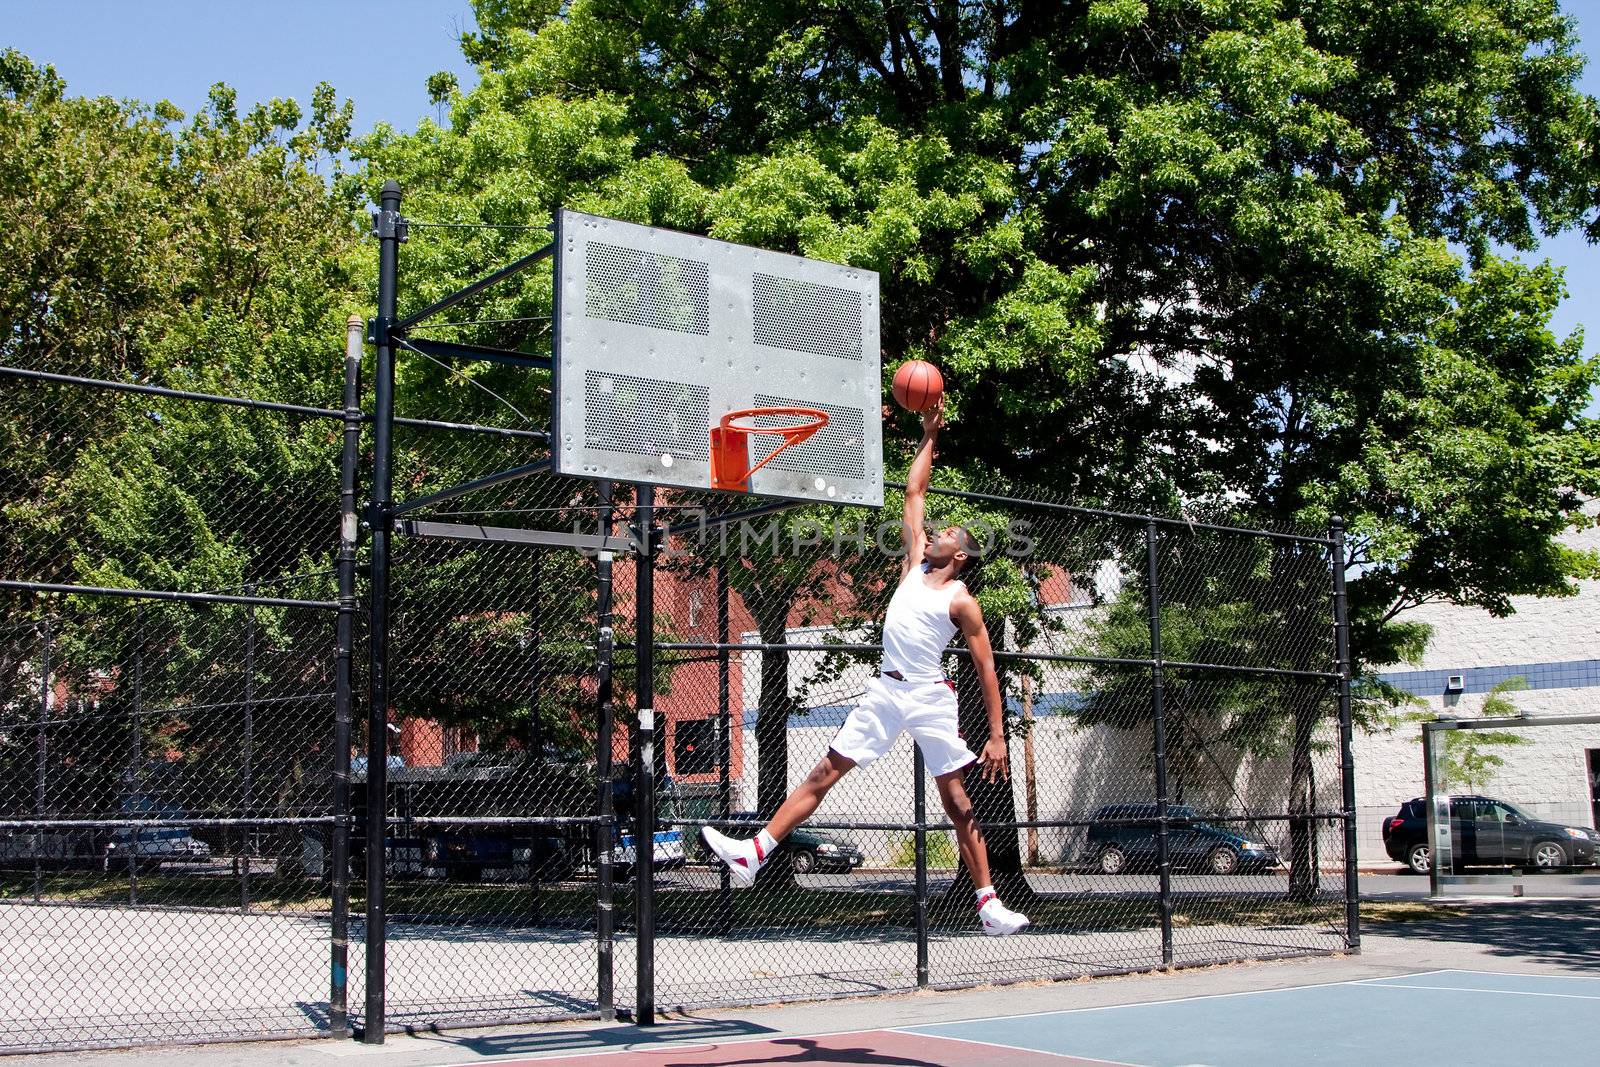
(1506, 992)
(1485, 974)
(1177, 1000)
(1015, 1048)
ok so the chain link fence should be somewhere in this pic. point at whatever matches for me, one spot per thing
(186, 830)
(1172, 718)
(170, 688)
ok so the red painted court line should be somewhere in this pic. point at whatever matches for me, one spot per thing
(879, 1048)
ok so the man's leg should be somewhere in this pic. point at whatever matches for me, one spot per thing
(969, 835)
(799, 805)
(744, 858)
(996, 919)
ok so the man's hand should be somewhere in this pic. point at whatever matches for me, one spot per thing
(993, 759)
(933, 419)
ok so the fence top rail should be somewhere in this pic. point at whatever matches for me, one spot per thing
(164, 824)
(1511, 723)
(1043, 657)
(257, 405)
(1121, 516)
(166, 594)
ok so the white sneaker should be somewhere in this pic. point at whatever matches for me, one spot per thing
(740, 856)
(999, 920)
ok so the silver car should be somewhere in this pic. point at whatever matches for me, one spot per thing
(153, 847)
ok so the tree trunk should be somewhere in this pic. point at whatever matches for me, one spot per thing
(1030, 783)
(772, 722)
(1304, 861)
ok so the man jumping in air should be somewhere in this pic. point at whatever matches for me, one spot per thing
(911, 693)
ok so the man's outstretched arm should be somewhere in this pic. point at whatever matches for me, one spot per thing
(912, 521)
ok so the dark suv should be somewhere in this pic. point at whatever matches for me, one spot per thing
(1486, 832)
(1117, 845)
(806, 851)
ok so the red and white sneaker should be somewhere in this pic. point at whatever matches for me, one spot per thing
(742, 857)
(999, 920)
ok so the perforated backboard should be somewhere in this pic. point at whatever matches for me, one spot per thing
(658, 334)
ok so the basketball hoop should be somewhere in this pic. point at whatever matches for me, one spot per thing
(730, 441)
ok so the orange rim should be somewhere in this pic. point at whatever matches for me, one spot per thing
(815, 418)
(730, 447)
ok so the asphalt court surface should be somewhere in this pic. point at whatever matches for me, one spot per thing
(1460, 1018)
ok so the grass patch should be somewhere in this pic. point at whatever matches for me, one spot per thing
(167, 890)
(1408, 911)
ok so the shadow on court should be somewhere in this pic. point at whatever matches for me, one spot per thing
(606, 1038)
(808, 1050)
(1560, 932)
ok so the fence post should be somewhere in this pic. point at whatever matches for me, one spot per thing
(389, 227)
(42, 758)
(1159, 729)
(1341, 629)
(249, 750)
(338, 857)
(135, 745)
(1441, 845)
(605, 642)
(919, 794)
(644, 791)
(724, 734)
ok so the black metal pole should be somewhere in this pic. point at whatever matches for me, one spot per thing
(344, 691)
(245, 833)
(1158, 724)
(1341, 629)
(724, 734)
(388, 226)
(644, 798)
(42, 757)
(919, 795)
(535, 724)
(605, 938)
(135, 743)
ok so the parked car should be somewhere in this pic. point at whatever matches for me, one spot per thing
(153, 847)
(469, 855)
(1487, 832)
(1117, 845)
(807, 851)
(27, 849)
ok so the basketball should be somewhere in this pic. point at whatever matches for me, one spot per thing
(918, 386)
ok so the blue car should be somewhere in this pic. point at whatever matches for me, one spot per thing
(1122, 841)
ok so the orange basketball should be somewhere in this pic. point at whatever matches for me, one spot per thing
(918, 386)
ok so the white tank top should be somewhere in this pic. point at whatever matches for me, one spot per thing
(917, 628)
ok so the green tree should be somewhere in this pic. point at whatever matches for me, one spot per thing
(216, 253)
(1179, 251)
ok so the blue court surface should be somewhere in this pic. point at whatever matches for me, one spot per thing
(1431, 1019)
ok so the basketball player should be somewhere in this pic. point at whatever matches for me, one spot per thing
(911, 693)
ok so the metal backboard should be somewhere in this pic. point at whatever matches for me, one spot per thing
(658, 334)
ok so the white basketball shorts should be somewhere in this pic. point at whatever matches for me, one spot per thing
(927, 710)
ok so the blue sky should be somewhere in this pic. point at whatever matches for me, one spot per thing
(380, 52)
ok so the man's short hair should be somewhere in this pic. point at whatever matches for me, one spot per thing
(974, 550)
